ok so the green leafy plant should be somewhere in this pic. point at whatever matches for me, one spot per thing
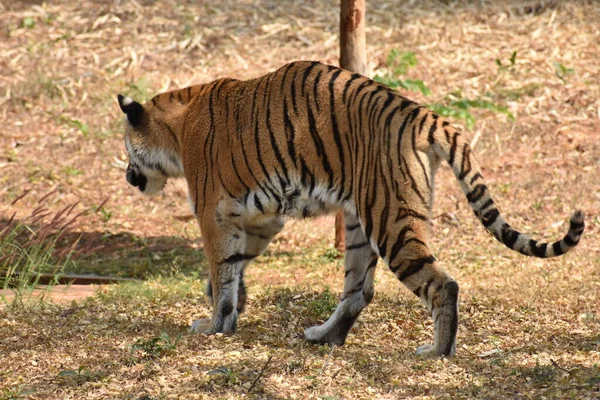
(230, 376)
(512, 62)
(398, 64)
(28, 22)
(459, 107)
(561, 71)
(154, 347)
(456, 106)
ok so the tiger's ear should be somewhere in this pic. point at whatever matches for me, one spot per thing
(133, 109)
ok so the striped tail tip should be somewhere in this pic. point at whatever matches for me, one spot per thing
(576, 227)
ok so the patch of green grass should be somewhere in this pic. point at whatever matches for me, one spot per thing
(72, 171)
(226, 376)
(154, 347)
(141, 261)
(332, 254)
(540, 373)
(322, 305)
(19, 392)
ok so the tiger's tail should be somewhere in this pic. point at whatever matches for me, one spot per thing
(452, 146)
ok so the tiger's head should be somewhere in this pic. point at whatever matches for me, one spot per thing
(152, 146)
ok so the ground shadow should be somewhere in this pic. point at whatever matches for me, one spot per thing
(124, 255)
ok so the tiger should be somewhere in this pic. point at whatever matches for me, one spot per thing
(305, 140)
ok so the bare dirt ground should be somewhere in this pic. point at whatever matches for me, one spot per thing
(529, 328)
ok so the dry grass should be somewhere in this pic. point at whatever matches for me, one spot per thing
(529, 328)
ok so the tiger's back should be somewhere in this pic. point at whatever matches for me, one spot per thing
(305, 140)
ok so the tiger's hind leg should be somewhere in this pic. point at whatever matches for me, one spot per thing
(414, 266)
(359, 265)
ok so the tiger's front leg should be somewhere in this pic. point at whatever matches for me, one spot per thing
(226, 248)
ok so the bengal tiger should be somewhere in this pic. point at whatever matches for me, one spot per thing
(305, 140)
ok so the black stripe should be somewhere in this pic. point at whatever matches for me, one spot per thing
(336, 132)
(350, 228)
(488, 203)
(451, 288)
(399, 243)
(557, 248)
(348, 84)
(475, 177)
(476, 193)
(453, 149)
(576, 227)
(289, 129)
(357, 245)
(465, 166)
(538, 251)
(413, 183)
(274, 145)
(257, 203)
(316, 89)
(293, 92)
(237, 257)
(509, 236)
(426, 288)
(432, 128)
(569, 241)
(306, 73)
(489, 217)
(415, 266)
(318, 142)
(414, 148)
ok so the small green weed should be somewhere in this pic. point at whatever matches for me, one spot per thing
(331, 254)
(459, 107)
(455, 106)
(78, 376)
(506, 67)
(398, 64)
(72, 171)
(230, 377)
(561, 71)
(154, 347)
(15, 393)
(28, 23)
(323, 305)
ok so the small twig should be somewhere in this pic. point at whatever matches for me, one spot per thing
(327, 360)
(260, 374)
(559, 367)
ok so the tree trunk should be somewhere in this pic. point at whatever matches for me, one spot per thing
(353, 57)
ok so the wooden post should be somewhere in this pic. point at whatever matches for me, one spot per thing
(353, 57)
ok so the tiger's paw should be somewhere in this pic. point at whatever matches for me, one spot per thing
(429, 350)
(426, 351)
(319, 335)
(203, 325)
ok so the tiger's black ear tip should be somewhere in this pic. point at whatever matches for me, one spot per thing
(132, 108)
